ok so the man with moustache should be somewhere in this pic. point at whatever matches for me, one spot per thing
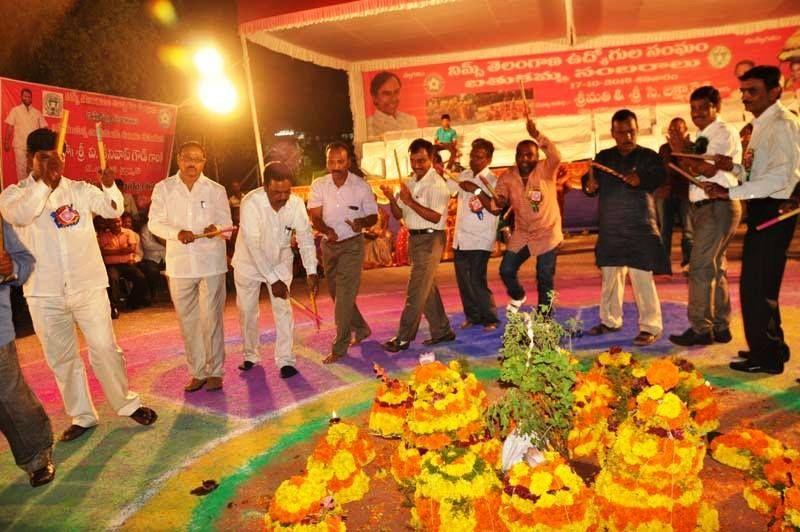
(341, 205)
(184, 205)
(475, 234)
(422, 203)
(268, 218)
(53, 217)
(628, 242)
(714, 222)
(769, 174)
(530, 190)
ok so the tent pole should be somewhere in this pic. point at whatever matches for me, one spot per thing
(251, 96)
(570, 18)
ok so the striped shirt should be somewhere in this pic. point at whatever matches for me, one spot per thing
(431, 192)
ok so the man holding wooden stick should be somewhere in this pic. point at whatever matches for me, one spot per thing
(53, 216)
(184, 206)
(422, 203)
(269, 216)
(341, 205)
(769, 174)
(714, 222)
(629, 242)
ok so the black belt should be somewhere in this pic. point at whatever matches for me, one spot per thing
(701, 203)
(415, 232)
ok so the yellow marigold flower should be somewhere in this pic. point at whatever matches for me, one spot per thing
(540, 482)
(670, 407)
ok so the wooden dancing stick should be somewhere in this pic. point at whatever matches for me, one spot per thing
(693, 180)
(777, 219)
(702, 157)
(101, 147)
(607, 170)
(307, 310)
(216, 232)
(62, 133)
(524, 98)
(397, 163)
(313, 300)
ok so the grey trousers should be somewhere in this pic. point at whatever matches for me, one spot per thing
(422, 295)
(22, 419)
(709, 300)
(342, 262)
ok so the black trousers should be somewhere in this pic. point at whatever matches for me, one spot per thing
(763, 263)
(139, 294)
(471, 267)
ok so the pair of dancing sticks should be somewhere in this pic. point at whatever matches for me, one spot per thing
(309, 311)
(759, 227)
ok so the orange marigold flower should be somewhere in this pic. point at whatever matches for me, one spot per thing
(664, 373)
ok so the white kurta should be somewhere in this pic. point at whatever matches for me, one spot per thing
(68, 286)
(264, 255)
(196, 271)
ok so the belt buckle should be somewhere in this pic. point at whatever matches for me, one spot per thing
(429, 230)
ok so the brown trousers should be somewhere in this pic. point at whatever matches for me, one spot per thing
(342, 262)
(422, 295)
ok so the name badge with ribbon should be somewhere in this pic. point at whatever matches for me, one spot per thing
(65, 216)
(476, 206)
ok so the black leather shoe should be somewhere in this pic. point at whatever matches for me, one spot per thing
(114, 313)
(690, 337)
(287, 372)
(723, 336)
(73, 432)
(449, 337)
(751, 366)
(747, 354)
(43, 476)
(394, 345)
(246, 365)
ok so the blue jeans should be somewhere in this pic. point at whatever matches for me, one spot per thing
(545, 272)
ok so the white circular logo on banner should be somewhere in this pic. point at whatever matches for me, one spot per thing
(719, 56)
(434, 84)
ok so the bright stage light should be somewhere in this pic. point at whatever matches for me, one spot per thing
(208, 61)
(218, 95)
(164, 12)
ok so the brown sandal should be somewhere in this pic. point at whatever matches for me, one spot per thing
(601, 328)
(332, 358)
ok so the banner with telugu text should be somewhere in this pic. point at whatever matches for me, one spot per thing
(138, 135)
(570, 82)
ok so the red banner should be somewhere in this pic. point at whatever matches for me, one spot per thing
(138, 135)
(566, 83)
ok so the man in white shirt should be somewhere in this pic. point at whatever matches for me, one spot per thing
(341, 205)
(20, 122)
(269, 216)
(769, 173)
(475, 234)
(53, 217)
(385, 91)
(714, 222)
(422, 203)
(185, 205)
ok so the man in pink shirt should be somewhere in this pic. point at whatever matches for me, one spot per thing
(118, 246)
(530, 190)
